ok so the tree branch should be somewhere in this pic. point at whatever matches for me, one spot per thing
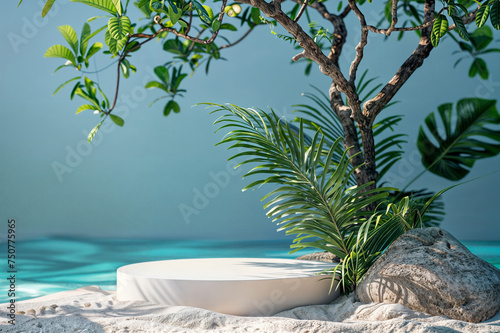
(394, 17)
(374, 106)
(301, 11)
(239, 40)
(361, 45)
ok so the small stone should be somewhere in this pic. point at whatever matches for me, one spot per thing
(320, 256)
(21, 312)
(86, 305)
(53, 306)
(31, 312)
(42, 309)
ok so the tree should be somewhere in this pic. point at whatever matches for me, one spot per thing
(173, 21)
(200, 29)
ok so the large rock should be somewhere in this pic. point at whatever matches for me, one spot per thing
(428, 270)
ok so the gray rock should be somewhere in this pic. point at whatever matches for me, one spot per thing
(428, 270)
(320, 256)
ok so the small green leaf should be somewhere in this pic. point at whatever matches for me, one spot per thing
(65, 83)
(162, 73)
(171, 106)
(59, 51)
(19, 3)
(479, 67)
(156, 84)
(106, 5)
(495, 15)
(93, 50)
(119, 27)
(157, 6)
(255, 15)
(174, 14)
(118, 6)
(462, 31)
(93, 132)
(482, 14)
(228, 26)
(440, 26)
(85, 107)
(83, 38)
(46, 8)
(215, 25)
(117, 120)
(70, 35)
(201, 11)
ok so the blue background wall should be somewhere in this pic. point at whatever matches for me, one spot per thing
(137, 181)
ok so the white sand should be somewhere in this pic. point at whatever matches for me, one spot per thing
(91, 309)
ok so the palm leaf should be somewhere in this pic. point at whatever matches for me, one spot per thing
(313, 197)
(461, 142)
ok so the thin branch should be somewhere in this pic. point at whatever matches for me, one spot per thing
(394, 17)
(299, 56)
(346, 11)
(375, 105)
(301, 11)
(420, 27)
(361, 45)
(239, 40)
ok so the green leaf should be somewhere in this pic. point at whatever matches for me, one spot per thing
(228, 26)
(479, 67)
(440, 26)
(255, 15)
(85, 107)
(162, 73)
(118, 6)
(70, 35)
(174, 14)
(83, 38)
(482, 14)
(117, 120)
(119, 27)
(215, 25)
(481, 38)
(462, 31)
(94, 131)
(59, 51)
(93, 50)
(65, 83)
(46, 8)
(156, 84)
(157, 6)
(201, 11)
(171, 106)
(495, 15)
(114, 45)
(105, 5)
(19, 3)
(460, 144)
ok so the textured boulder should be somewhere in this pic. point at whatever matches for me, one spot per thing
(320, 256)
(428, 270)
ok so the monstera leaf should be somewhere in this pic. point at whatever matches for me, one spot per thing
(464, 137)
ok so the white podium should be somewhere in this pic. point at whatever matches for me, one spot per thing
(235, 286)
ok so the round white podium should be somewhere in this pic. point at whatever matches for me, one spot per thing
(235, 286)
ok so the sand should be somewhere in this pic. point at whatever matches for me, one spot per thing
(91, 309)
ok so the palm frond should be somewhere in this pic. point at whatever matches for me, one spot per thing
(313, 198)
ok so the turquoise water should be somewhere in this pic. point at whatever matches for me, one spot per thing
(49, 265)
